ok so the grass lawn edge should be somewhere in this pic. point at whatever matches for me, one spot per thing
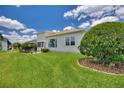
(98, 70)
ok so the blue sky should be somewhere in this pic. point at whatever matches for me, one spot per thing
(21, 23)
(39, 17)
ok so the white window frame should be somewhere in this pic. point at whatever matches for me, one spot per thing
(55, 46)
(69, 43)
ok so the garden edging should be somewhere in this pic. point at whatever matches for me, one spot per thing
(98, 70)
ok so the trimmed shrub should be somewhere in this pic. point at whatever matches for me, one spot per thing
(104, 41)
(16, 45)
(28, 47)
(44, 50)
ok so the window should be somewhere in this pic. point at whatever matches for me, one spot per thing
(53, 43)
(67, 41)
(42, 44)
(70, 41)
(39, 44)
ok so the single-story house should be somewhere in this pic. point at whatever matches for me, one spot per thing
(5, 44)
(33, 41)
(64, 41)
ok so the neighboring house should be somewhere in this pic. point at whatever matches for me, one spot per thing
(5, 44)
(65, 41)
(33, 41)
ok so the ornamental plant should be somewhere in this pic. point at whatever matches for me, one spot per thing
(104, 42)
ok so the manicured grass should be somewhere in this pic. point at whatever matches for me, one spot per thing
(51, 70)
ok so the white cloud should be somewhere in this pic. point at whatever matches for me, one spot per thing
(95, 14)
(28, 30)
(11, 24)
(68, 28)
(55, 30)
(13, 33)
(81, 16)
(68, 14)
(13, 36)
(35, 32)
(90, 10)
(18, 27)
(84, 25)
(18, 6)
(105, 19)
(82, 9)
(33, 37)
(75, 12)
(26, 38)
(120, 12)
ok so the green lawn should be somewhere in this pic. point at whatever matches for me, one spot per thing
(51, 70)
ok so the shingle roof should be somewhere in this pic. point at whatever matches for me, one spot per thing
(64, 32)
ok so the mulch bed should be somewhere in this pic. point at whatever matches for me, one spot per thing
(116, 69)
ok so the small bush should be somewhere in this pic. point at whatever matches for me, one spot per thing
(16, 45)
(104, 42)
(28, 47)
(44, 50)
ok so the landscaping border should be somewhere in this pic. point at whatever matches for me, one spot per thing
(98, 70)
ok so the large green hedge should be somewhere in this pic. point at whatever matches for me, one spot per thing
(104, 41)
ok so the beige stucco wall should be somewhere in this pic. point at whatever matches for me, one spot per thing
(61, 47)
